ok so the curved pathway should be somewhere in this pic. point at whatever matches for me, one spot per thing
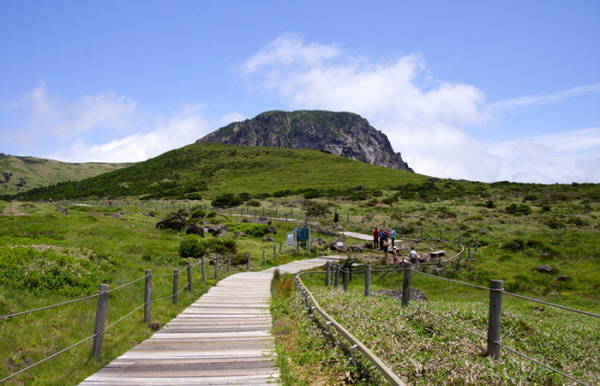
(221, 339)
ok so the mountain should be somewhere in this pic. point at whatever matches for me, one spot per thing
(23, 173)
(340, 133)
(209, 169)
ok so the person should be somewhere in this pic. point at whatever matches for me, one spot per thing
(413, 255)
(109, 202)
(375, 238)
(382, 238)
(395, 258)
(393, 237)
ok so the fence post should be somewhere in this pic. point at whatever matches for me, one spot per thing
(264, 257)
(328, 274)
(336, 275)
(249, 262)
(346, 279)
(148, 296)
(203, 267)
(495, 318)
(174, 293)
(274, 251)
(228, 263)
(189, 277)
(217, 267)
(406, 286)
(368, 281)
(100, 321)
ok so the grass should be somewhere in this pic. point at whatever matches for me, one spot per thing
(423, 349)
(32, 172)
(48, 257)
(208, 169)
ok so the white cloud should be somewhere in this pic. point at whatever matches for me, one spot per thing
(424, 118)
(546, 98)
(183, 128)
(229, 118)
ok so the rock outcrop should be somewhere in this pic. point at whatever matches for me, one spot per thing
(340, 133)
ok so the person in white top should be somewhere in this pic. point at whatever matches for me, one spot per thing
(413, 255)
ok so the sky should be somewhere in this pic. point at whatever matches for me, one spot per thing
(478, 90)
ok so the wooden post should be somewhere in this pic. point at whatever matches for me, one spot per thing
(203, 268)
(346, 279)
(148, 296)
(249, 262)
(174, 293)
(274, 251)
(100, 322)
(336, 275)
(286, 218)
(495, 319)
(328, 274)
(264, 257)
(406, 286)
(189, 277)
(368, 281)
(280, 247)
(217, 267)
(228, 262)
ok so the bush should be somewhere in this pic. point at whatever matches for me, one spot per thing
(190, 246)
(226, 200)
(193, 196)
(490, 204)
(245, 196)
(515, 245)
(219, 245)
(555, 223)
(315, 209)
(518, 209)
(254, 203)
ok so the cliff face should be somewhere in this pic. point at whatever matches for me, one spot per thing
(344, 134)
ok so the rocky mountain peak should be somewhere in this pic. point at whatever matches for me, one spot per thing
(341, 133)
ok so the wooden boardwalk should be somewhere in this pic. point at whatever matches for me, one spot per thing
(221, 339)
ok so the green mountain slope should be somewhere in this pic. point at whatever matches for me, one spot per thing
(24, 173)
(208, 169)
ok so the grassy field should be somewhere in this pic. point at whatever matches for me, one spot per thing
(208, 169)
(31, 172)
(47, 256)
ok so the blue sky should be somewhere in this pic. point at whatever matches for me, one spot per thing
(471, 89)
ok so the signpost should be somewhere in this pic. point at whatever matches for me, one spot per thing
(302, 234)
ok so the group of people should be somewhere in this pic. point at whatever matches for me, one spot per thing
(385, 240)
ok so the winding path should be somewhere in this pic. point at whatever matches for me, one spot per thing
(221, 339)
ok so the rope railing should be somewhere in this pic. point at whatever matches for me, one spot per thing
(103, 296)
(494, 320)
(383, 368)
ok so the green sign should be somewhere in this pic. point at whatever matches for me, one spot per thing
(302, 234)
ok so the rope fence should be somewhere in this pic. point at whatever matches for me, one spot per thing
(335, 273)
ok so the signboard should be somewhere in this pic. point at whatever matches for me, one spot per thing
(302, 234)
(290, 240)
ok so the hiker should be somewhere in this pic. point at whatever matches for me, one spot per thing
(109, 202)
(395, 258)
(375, 238)
(413, 256)
(382, 237)
(393, 237)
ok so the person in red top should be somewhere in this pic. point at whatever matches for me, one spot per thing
(375, 238)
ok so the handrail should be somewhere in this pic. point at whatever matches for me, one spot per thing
(385, 370)
(3, 317)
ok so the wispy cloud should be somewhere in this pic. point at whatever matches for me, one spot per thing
(546, 98)
(424, 118)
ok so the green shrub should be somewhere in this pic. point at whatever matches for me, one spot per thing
(49, 272)
(256, 230)
(515, 245)
(245, 196)
(254, 203)
(190, 246)
(555, 223)
(226, 200)
(518, 209)
(219, 245)
(192, 196)
(315, 209)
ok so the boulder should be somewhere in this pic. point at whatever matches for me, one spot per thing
(193, 229)
(216, 230)
(272, 229)
(338, 246)
(543, 268)
(356, 248)
(176, 222)
(563, 278)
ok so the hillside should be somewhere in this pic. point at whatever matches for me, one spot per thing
(207, 169)
(24, 173)
(341, 133)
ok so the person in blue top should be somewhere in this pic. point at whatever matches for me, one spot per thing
(383, 235)
(393, 236)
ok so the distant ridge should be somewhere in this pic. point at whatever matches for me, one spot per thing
(341, 133)
(19, 174)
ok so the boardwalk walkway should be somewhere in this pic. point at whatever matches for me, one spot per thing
(221, 339)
